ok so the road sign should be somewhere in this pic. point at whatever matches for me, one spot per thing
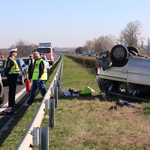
(127, 44)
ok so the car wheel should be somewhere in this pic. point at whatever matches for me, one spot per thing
(119, 53)
(22, 80)
(133, 50)
(2, 98)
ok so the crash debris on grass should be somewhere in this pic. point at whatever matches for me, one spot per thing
(73, 92)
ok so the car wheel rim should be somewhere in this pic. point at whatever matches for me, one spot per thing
(119, 53)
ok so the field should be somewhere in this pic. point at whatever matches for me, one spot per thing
(85, 122)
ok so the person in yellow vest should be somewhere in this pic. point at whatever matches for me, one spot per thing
(39, 76)
(11, 70)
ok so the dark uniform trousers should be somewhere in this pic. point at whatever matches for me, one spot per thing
(12, 82)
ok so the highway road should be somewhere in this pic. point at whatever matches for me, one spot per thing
(20, 91)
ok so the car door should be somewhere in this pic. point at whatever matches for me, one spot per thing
(23, 68)
(139, 70)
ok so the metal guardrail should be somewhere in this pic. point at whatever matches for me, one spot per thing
(27, 141)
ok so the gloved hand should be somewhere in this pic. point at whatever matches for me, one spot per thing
(38, 80)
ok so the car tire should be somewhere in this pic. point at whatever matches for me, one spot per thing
(22, 80)
(2, 98)
(119, 53)
(133, 50)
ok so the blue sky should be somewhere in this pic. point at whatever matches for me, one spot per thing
(68, 23)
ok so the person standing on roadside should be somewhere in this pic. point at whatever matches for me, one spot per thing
(2, 56)
(31, 62)
(11, 70)
(39, 76)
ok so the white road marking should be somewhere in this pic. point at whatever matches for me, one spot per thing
(16, 96)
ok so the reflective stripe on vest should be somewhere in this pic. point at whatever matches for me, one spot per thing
(14, 69)
(36, 71)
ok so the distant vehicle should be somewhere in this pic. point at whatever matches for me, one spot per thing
(94, 54)
(124, 72)
(46, 49)
(23, 71)
(26, 61)
(2, 93)
(46, 61)
(84, 53)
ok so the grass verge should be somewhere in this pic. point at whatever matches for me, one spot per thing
(85, 122)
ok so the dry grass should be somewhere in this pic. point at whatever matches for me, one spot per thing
(87, 123)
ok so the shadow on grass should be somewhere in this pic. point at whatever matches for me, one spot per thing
(108, 98)
(16, 117)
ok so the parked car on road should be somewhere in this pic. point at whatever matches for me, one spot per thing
(124, 72)
(23, 71)
(46, 61)
(26, 61)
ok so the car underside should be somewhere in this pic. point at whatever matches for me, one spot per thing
(124, 72)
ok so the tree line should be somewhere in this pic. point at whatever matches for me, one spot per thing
(132, 34)
(23, 48)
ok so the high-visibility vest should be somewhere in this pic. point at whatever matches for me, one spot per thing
(36, 71)
(14, 69)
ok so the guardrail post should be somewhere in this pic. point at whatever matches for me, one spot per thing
(56, 96)
(44, 138)
(47, 101)
(57, 83)
(35, 135)
(54, 91)
(52, 113)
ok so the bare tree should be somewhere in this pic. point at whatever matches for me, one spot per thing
(131, 34)
(24, 48)
(104, 43)
(4, 52)
(33, 46)
(89, 46)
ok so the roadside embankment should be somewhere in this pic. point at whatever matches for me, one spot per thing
(90, 62)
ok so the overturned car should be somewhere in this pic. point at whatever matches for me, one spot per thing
(124, 72)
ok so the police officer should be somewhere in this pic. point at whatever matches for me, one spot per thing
(38, 77)
(11, 70)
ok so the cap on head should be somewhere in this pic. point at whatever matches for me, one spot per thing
(13, 50)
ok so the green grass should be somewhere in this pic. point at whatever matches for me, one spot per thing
(84, 122)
